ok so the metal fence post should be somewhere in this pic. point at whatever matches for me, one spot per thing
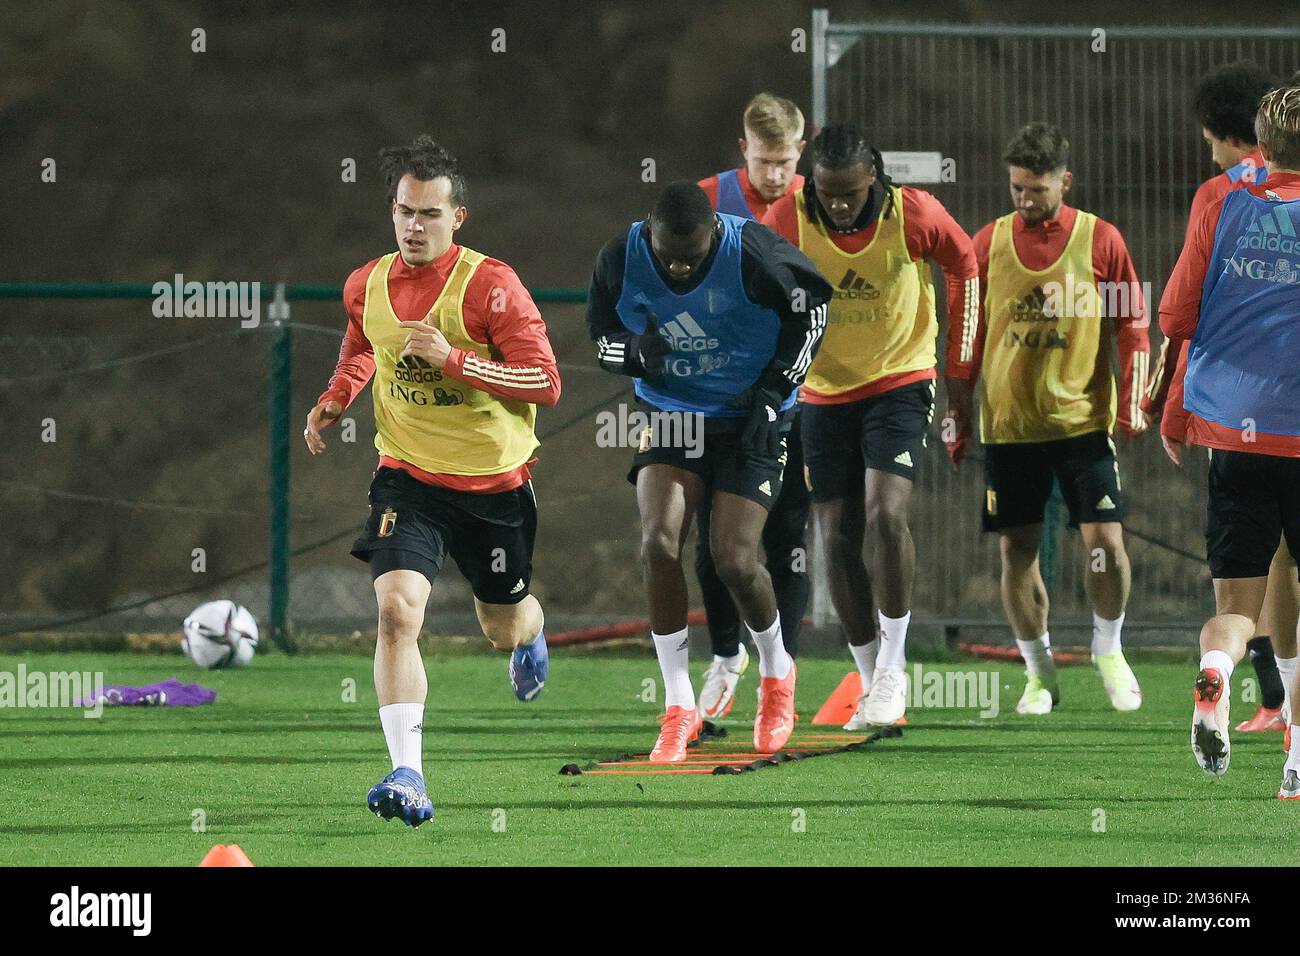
(278, 421)
(820, 18)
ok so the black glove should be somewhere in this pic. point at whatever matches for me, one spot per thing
(762, 434)
(651, 348)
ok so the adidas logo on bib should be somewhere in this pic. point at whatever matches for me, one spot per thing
(1105, 504)
(519, 586)
(904, 459)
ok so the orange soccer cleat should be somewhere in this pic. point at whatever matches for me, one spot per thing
(1265, 719)
(775, 720)
(680, 727)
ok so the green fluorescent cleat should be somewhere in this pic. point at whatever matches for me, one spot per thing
(1039, 697)
(1121, 686)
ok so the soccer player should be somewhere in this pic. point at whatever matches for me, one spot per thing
(714, 317)
(460, 361)
(1053, 277)
(1225, 103)
(771, 147)
(869, 397)
(1235, 294)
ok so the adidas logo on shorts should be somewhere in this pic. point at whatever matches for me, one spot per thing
(519, 586)
(766, 488)
(905, 458)
(1105, 504)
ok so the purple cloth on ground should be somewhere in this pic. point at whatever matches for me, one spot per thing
(170, 693)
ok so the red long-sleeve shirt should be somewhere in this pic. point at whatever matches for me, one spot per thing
(930, 233)
(1166, 392)
(1041, 244)
(497, 310)
(1180, 313)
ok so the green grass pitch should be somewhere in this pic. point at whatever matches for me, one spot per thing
(281, 763)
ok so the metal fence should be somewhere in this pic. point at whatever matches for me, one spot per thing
(126, 452)
(161, 465)
(1122, 96)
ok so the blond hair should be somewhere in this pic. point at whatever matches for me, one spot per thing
(1277, 126)
(774, 120)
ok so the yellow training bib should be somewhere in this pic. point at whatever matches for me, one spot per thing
(1046, 371)
(427, 418)
(882, 319)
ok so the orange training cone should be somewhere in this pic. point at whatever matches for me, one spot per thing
(221, 855)
(842, 702)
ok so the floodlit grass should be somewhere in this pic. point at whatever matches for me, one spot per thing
(281, 763)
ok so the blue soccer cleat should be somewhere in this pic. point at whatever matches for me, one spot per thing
(528, 669)
(401, 794)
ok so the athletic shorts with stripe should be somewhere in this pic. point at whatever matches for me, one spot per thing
(886, 432)
(1018, 481)
(415, 526)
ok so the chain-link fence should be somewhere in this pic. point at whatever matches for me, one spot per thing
(163, 465)
(1122, 96)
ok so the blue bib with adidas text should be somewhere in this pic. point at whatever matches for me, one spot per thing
(721, 340)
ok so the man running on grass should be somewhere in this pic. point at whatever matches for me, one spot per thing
(1225, 103)
(717, 318)
(1060, 287)
(460, 361)
(771, 147)
(1235, 294)
(869, 397)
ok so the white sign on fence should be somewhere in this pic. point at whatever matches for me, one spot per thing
(913, 167)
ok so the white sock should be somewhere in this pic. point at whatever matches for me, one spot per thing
(1038, 656)
(404, 731)
(673, 651)
(731, 663)
(893, 641)
(1105, 635)
(1293, 754)
(865, 657)
(1219, 660)
(773, 659)
(1286, 670)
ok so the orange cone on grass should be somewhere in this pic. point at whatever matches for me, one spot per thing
(222, 855)
(842, 702)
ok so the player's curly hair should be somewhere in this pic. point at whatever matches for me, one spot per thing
(1227, 98)
(841, 145)
(1038, 147)
(424, 158)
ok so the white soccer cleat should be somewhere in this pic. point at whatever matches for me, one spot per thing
(1210, 722)
(887, 701)
(719, 690)
(1039, 698)
(1117, 677)
(859, 719)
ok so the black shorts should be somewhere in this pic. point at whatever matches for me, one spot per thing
(413, 525)
(721, 462)
(1254, 500)
(1018, 481)
(886, 432)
